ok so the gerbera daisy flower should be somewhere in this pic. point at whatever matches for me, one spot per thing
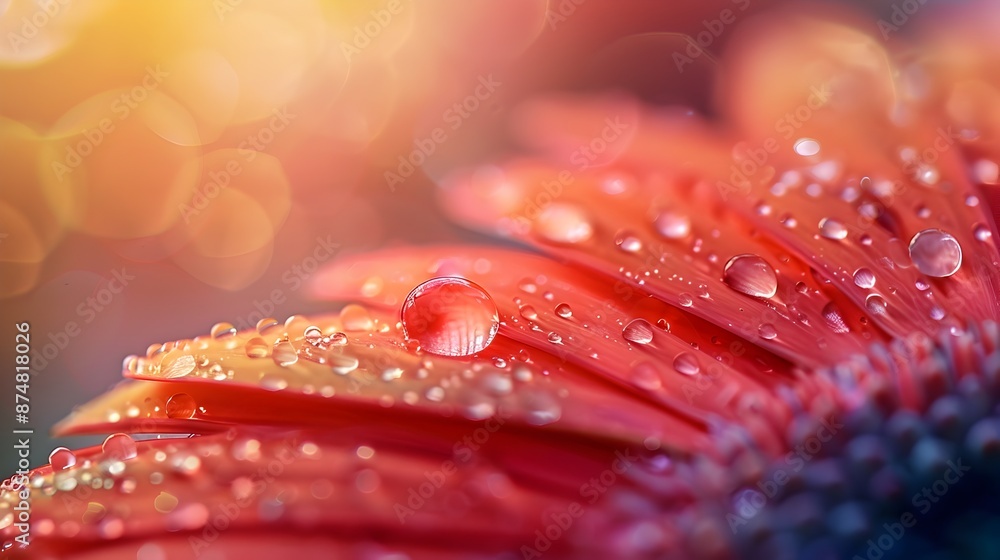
(767, 335)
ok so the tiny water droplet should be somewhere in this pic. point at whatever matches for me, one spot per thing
(864, 278)
(356, 318)
(832, 229)
(450, 317)
(181, 406)
(256, 347)
(338, 339)
(222, 330)
(554, 338)
(628, 242)
(120, 447)
(313, 335)
(751, 275)
(529, 313)
(935, 253)
(638, 331)
(685, 300)
(564, 223)
(284, 353)
(767, 331)
(982, 232)
(686, 363)
(61, 459)
(672, 225)
(564, 310)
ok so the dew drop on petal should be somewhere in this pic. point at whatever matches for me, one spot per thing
(342, 364)
(61, 458)
(628, 242)
(450, 317)
(222, 330)
(175, 364)
(338, 339)
(982, 232)
(767, 331)
(686, 363)
(832, 229)
(267, 324)
(554, 338)
(935, 253)
(806, 147)
(864, 278)
(120, 446)
(751, 275)
(256, 347)
(284, 353)
(564, 223)
(646, 376)
(564, 310)
(638, 331)
(876, 305)
(356, 318)
(181, 406)
(672, 225)
(834, 319)
(313, 335)
(529, 313)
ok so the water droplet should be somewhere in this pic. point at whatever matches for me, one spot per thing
(223, 330)
(767, 331)
(554, 338)
(529, 313)
(256, 347)
(834, 319)
(338, 339)
(685, 300)
(342, 363)
(181, 405)
(806, 147)
(450, 317)
(628, 242)
(982, 232)
(372, 287)
(284, 353)
(638, 331)
(563, 223)
(686, 363)
(875, 304)
(175, 364)
(120, 447)
(750, 275)
(935, 253)
(273, 382)
(564, 310)
(832, 229)
(864, 278)
(61, 458)
(646, 376)
(313, 335)
(672, 225)
(267, 324)
(356, 318)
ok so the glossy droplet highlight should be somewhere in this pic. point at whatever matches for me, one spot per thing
(61, 458)
(342, 364)
(686, 363)
(767, 331)
(638, 331)
(267, 324)
(256, 347)
(864, 278)
(834, 319)
(284, 353)
(181, 406)
(806, 147)
(832, 229)
(563, 223)
(672, 225)
(935, 253)
(750, 275)
(450, 317)
(223, 330)
(628, 242)
(120, 447)
(564, 310)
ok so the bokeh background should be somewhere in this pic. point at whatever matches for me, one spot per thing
(169, 164)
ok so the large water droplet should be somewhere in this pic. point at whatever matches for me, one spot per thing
(181, 405)
(61, 458)
(529, 313)
(672, 225)
(256, 347)
(284, 353)
(864, 278)
(936, 253)
(750, 275)
(120, 447)
(834, 319)
(450, 317)
(686, 363)
(806, 147)
(638, 331)
(832, 229)
(175, 364)
(876, 304)
(564, 223)
(223, 330)
(356, 318)
(564, 310)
